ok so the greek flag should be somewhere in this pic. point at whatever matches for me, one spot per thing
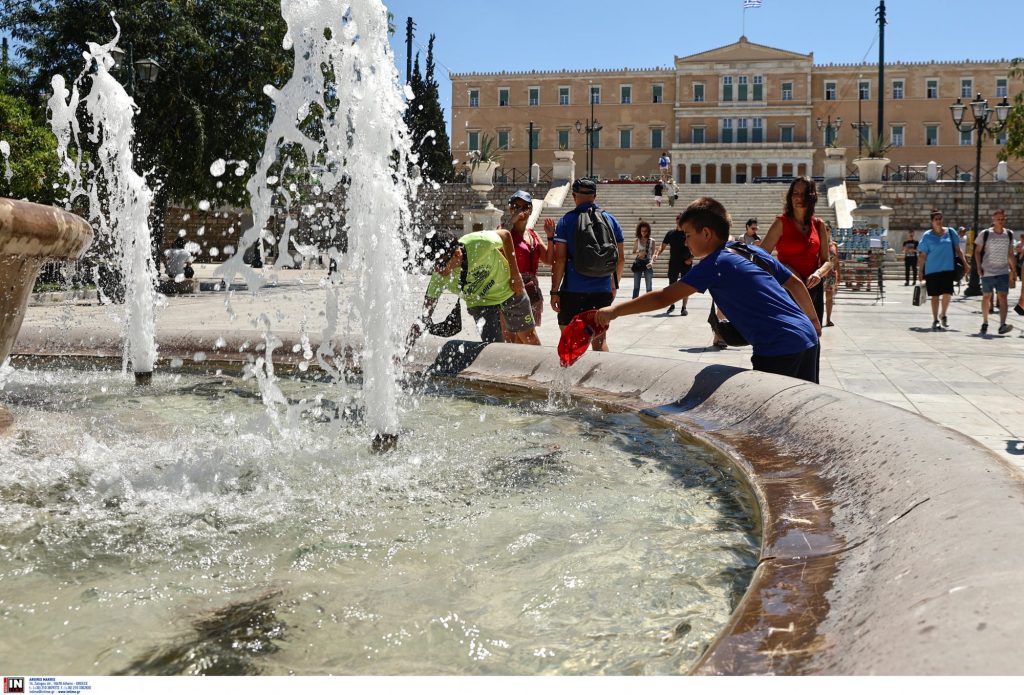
(751, 3)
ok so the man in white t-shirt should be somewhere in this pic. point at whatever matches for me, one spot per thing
(993, 256)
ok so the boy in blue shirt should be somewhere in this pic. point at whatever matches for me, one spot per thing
(773, 311)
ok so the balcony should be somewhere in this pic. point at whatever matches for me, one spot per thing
(712, 145)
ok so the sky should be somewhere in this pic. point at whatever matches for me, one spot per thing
(487, 36)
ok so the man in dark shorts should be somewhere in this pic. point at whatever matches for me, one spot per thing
(571, 292)
(680, 260)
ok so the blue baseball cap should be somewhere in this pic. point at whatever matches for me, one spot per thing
(523, 196)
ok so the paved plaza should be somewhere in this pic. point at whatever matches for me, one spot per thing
(885, 351)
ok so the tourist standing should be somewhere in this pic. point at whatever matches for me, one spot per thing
(643, 258)
(909, 259)
(802, 240)
(935, 263)
(659, 191)
(664, 164)
(680, 260)
(575, 289)
(993, 256)
(750, 237)
(530, 253)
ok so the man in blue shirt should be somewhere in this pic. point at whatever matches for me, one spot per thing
(571, 292)
(773, 311)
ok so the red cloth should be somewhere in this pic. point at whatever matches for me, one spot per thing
(801, 253)
(577, 336)
(528, 251)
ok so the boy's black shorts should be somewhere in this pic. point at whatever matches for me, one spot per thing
(572, 303)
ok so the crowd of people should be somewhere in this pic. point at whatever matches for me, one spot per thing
(774, 292)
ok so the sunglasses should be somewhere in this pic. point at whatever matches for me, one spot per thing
(519, 208)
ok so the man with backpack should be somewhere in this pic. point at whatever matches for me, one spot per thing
(588, 260)
(993, 256)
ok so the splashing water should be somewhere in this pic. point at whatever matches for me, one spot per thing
(119, 198)
(346, 84)
(5, 150)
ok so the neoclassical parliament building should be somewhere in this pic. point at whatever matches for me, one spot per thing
(728, 115)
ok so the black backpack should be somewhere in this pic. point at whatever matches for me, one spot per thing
(595, 252)
(984, 241)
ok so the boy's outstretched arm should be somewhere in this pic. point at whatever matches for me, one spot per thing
(648, 302)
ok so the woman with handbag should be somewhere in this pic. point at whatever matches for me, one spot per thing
(643, 258)
(531, 251)
(941, 262)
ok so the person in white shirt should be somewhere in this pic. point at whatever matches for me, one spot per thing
(993, 256)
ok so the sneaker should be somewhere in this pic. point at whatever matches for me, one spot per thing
(1019, 309)
(669, 310)
(984, 329)
(945, 323)
(1005, 328)
(936, 326)
(829, 324)
(683, 312)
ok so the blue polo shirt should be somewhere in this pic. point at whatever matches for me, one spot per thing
(939, 250)
(565, 233)
(756, 302)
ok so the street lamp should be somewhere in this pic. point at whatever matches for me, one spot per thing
(144, 71)
(859, 125)
(590, 128)
(978, 120)
(831, 129)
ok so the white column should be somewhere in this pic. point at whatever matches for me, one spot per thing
(718, 172)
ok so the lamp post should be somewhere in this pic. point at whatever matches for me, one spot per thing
(831, 129)
(143, 71)
(859, 125)
(979, 120)
(591, 127)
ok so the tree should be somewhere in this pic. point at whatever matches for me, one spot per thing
(425, 120)
(208, 103)
(1015, 123)
(33, 151)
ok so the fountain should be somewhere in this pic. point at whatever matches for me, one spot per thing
(206, 526)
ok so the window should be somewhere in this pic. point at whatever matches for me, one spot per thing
(786, 133)
(563, 139)
(931, 135)
(931, 89)
(626, 94)
(697, 135)
(534, 96)
(657, 94)
(503, 139)
(657, 138)
(864, 134)
(595, 140)
(534, 138)
(727, 88)
(830, 91)
(967, 88)
(743, 88)
(897, 89)
(758, 88)
(830, 134)
(503, 96)
(563, 96)
(863, 89)
(787, 91)
(757, 130)
(1001, 137)
(896, 135)
(595, 94)
(726, 130)
(741, 129)
(473, 140)
(966, 137)
(1001, 87)
(625, 139)
(474, 98)
(698, 91)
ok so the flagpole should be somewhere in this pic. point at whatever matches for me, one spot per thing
(744, 32)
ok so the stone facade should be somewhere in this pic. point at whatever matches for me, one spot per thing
(726, 115)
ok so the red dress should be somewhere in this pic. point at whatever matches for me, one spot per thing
(528, 251)
(800, 253)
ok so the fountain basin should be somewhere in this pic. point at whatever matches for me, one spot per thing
(891, 545)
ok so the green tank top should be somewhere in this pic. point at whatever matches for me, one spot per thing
(488, 280)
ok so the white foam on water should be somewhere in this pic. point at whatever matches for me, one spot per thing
(5, 150)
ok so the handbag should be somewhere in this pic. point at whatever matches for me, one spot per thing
(958, 263)
(918, 295)
(726, 330)
(639, 265)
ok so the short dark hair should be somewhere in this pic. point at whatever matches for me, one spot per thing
(752, 220)
(584, 185)
(708, 212)
(438, 248)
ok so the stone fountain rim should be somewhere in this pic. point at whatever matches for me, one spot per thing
(891, 544)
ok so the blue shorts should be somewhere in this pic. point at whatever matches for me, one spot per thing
(995, 283)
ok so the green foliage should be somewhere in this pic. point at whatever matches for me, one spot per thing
(208, 102)
(1015, 122)
(877, 146)
(425, 120)
(33, 160)
(488, 152)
